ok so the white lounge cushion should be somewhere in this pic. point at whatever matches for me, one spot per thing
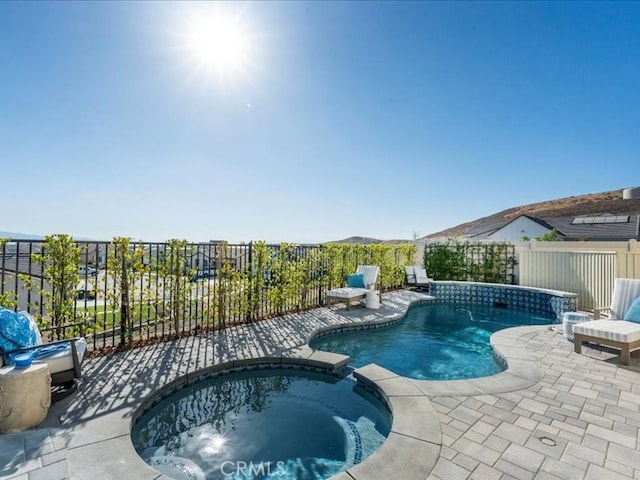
(410, 273)
(421, 275)
(347, 292)
(62, 361)
(616, 330)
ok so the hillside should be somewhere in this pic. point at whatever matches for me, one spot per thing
(20, 236)
(368, 241)
(594, 203)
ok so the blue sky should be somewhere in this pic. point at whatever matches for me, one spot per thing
(381, 119)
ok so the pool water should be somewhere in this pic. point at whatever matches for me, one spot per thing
(437, 341)
(262, 424)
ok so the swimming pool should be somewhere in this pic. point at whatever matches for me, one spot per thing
(281, 424)
(434, 341)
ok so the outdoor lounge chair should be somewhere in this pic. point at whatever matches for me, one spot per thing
(416, 277)
(617, 331)
(63, 357)
(351, 294)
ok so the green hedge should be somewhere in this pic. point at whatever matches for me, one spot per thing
(473, 262)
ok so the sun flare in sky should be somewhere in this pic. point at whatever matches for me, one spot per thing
(217, 42)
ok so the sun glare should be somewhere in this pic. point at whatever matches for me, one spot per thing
(217, 43)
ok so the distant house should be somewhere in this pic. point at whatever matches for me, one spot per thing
(596, 227)
(510, 230)
(93, 253)
(210, 256)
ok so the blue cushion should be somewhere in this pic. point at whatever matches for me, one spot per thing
(48, 350)
(633, 314)
(356, 280)
(17, 330)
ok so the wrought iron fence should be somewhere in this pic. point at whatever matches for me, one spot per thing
(123, 293)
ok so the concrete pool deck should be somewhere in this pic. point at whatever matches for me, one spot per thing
(553, 414)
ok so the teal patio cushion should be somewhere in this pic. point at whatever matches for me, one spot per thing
(633, 314)
(356, 280)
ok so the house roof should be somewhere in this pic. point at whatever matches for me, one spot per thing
(566, 228)
(486, 228)
(597, 231)
(539, 221)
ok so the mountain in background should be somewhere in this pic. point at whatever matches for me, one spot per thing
(352, 240)
(20, 236)
(368, 241)
(590, 204)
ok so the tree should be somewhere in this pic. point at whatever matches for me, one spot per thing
(125, 266)
(173, 268)
(60, 258)
(551, 236)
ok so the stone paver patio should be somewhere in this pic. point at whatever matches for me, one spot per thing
(552, 415)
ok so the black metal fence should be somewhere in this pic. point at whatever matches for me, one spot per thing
(123, 293)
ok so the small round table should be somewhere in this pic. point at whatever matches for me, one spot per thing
(569, 319)
(25, 396)
(372, 299)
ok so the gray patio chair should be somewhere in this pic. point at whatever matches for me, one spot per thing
(417, 278)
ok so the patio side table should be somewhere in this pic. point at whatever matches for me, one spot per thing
(569, 319)
(25, 396)
(372, 299)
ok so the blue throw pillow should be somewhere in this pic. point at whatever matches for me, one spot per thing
(17, 330)
(633, 314)
(356, 280)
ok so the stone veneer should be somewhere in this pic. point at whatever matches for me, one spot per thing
(539, 301)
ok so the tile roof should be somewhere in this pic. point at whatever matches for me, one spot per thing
(596, 231)
(570, 232)
(486, 228)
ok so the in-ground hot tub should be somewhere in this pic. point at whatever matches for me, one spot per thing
(261, 423)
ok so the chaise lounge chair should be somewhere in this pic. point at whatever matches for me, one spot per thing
(20, 334)
(622, 329)
(358, 285)
(416, 277)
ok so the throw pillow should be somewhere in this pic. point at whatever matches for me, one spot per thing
(355, 280)
(17, 330)
(633, 314)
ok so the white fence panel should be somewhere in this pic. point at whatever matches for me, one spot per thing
(628, 265)
(588, 274)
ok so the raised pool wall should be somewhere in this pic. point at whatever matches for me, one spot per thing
(539, 301)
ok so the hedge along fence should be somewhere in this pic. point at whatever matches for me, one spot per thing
(148, 291)
(473, 262)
